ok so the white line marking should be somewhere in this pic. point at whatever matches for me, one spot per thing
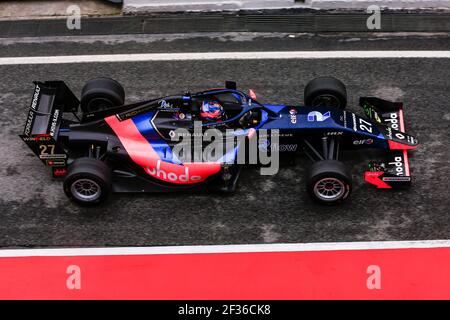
(224, 56)
(245, 248)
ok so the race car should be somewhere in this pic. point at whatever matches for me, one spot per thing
(99, 145)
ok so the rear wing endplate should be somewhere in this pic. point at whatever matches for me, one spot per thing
(49, 101)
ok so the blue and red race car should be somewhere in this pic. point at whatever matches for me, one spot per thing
(160, 144)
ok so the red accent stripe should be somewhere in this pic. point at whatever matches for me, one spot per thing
(142, 153)
(136, 145)
(406, 161)
(394, 145)
(373, 177)
(404, 274)
(402, 121)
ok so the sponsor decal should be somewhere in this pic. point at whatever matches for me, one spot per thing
(334, 133)
(163, 104)
(399, 135)
(33, 107)
(411, 140)
(317, 116)
(293, 115)
(371, 113)
(361, 142)
(365, 125)
(398, 166)
(179, 133)
(52, 156)
(29, 123)
(54, 123)
(376, 117)
(59, 172)
(400, 179)
(35, 97)
(393, 119)
(267, 145)
(56, 163)
(407, 141)
(172, 176)
(389, 133)
(129, 114)
(37, 138)
(272, 133)
(359, 124)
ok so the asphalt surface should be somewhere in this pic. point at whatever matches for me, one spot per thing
(265, 209)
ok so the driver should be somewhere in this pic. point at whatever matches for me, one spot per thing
(212, 111)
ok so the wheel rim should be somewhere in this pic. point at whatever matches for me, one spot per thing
(329, 189)
(85, 190)
(99, 104)
(326, 100)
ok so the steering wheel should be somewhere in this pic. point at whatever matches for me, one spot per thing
(247, 119)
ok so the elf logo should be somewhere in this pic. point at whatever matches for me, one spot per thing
(361, 142)
(393, 120)
(293, 116)
(398, 164)
(172, 176)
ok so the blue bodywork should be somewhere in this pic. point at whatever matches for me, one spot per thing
(301, 122)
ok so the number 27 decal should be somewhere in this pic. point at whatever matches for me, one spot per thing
(365, 126)
(47, 149)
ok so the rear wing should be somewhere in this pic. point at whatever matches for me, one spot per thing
(49, 101)
(395, 171)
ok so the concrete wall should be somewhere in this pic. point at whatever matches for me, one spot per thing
(136, 6)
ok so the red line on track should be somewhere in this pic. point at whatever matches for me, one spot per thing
(404, 274)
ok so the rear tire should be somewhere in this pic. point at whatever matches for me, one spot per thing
(88, 181)
(326, 92)
(101, 94)
(329, 182)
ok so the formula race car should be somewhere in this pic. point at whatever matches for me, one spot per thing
(147, 146)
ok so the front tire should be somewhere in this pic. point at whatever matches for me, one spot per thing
(329, 182)
(88, 181)
(326, 92)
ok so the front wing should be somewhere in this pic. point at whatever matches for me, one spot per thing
(395, 171)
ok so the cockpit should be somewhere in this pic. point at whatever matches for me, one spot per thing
(219, 109)
(230, 105)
